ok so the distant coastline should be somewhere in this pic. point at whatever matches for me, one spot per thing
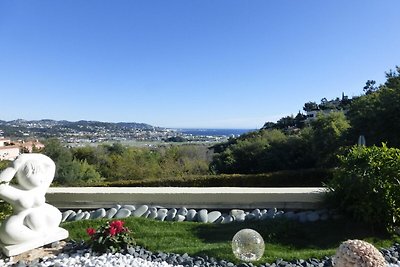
(92, 132)
(213, 132)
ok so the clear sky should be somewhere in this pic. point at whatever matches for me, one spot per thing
(189, 63)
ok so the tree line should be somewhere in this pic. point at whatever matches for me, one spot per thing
(297, 143)
(111, 162)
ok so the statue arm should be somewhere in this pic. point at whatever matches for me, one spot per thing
(11, 194)
(7, 175)
(7, 192)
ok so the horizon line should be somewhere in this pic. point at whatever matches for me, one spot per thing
(156, 126)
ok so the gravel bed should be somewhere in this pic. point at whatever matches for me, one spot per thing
(77, 254)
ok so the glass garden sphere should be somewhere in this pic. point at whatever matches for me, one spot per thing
(248, 245)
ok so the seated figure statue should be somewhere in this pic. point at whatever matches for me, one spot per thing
(33, 222)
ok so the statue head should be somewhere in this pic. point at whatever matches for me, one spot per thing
(34, 170)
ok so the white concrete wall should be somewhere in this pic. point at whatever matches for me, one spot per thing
(191, 197)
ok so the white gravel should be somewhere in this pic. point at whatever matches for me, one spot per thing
(88, 260)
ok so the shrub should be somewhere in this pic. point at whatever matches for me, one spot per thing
(111, 237)
(291, 178)
(366, 185)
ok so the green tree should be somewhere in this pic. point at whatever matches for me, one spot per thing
(116, 148)
(377, 115)
(393, 78)
(134, 164)
(290, 153)
(69, 171)
(370, 87)
(328, 132)
(100, 157)
(285, 122)
(86, 173)
(185, 160)
(246, 155)
(243, 155)
(88, 153)
(310, 106)
(62, 157)
(269, 125)
(299, 120)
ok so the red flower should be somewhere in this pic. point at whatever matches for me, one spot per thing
(112, 236)
(118, 226)
(90, 231)
(113, 231)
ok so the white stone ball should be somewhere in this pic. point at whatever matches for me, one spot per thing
(248, 245)
(358, 253)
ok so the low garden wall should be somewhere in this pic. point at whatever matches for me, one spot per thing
(193, 197)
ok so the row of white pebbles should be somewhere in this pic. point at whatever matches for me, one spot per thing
(77, 254)
(202, 215)
(90, 260)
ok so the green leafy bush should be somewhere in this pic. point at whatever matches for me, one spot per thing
(366, 185)
(111, 237)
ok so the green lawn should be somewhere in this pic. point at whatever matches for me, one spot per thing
(283, 238)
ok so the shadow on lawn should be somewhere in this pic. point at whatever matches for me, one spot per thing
(321, 235)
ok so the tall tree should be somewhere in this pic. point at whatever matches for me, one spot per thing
(393, 78)
(328, 136)
(310, 106)
(370, 87)
(377, 115)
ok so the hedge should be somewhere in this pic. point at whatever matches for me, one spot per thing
(297, 178)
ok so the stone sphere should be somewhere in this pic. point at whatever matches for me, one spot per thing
(352, 253)
(248, 245)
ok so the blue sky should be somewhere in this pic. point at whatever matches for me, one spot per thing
(189, 63)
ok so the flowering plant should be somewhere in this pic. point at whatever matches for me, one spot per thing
(111, 237)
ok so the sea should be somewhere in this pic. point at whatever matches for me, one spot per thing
(215, 132)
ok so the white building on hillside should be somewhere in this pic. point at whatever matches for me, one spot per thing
(8, 151)
(4, 141)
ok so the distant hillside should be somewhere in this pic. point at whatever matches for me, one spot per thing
(53, 128)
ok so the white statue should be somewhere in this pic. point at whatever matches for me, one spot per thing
(33, 222)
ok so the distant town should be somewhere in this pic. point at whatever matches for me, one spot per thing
(25, 135)
(20, 135)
